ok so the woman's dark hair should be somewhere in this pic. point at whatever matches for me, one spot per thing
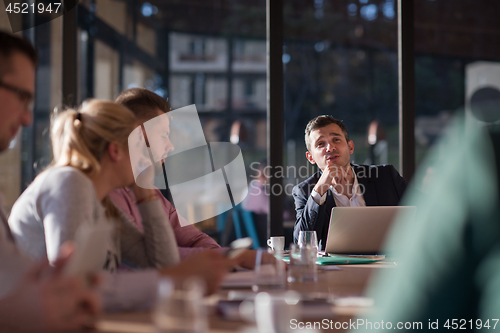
(143, 103)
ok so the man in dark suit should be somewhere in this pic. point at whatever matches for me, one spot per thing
(339, 183)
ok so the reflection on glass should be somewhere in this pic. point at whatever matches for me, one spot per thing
(249, 93)
(106, 72)
(249, 56)
(138, 75)
(194, 53)
(457, 57)
(112, 12)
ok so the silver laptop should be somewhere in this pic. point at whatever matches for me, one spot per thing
(362, 230)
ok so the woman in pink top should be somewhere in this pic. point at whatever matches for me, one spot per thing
(147, 105)
(189, 239)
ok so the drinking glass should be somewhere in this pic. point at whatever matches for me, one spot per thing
(273, 313)
(269, 275)
(180, 307)
(302, 266)
(308, 237)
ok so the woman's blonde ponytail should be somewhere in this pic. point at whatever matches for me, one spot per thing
(79, 138)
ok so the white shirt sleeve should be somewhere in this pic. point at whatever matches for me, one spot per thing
(320, 200)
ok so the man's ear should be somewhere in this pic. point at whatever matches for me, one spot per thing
(351, 146)
(115, 151)
(310, 158)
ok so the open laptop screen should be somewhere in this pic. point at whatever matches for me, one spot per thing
(362, 230)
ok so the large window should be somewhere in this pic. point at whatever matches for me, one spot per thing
(457, 60)
(212, 55)
(339, 57)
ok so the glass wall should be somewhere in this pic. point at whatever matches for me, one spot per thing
(106, 72)
(212, 55)
(198, 66)
(36, 144)
(457, 61)
(340, 58)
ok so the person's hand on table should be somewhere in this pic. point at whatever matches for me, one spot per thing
(210, 266)
(247, 259)
(46, 300)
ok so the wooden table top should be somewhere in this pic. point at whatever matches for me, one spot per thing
(350, 280)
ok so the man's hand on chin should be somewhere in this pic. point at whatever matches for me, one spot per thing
(341, 175)
(333, 174)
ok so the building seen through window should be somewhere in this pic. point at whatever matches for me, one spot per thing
(339, 58)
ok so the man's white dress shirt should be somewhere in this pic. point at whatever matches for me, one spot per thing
(341, 200)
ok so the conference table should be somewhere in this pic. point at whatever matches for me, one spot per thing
(348, 283)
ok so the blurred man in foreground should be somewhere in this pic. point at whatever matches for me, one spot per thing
(32, 296)
(448, 270)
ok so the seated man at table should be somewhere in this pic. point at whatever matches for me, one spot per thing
(339, 183)
(33, 296)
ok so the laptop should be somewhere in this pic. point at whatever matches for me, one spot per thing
(362, 230)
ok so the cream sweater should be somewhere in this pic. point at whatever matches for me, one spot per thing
(60, 199)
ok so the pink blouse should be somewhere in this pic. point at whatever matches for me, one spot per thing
(189, 239)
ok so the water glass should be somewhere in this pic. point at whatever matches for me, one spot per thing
(180, 307)
(302, 266)
(269, 275)
(308, 237)
(273, 313)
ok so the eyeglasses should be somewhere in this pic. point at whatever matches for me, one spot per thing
(24, 96)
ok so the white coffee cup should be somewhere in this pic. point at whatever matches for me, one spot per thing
(276, 243)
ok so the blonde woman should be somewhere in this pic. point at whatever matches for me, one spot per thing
(91, 159)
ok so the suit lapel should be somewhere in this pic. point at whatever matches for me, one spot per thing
(369, 194)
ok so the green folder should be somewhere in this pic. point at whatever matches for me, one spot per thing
(334, 259)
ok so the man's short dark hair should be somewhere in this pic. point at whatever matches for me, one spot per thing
(143, 103)
(322, 121)
(10, 44)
